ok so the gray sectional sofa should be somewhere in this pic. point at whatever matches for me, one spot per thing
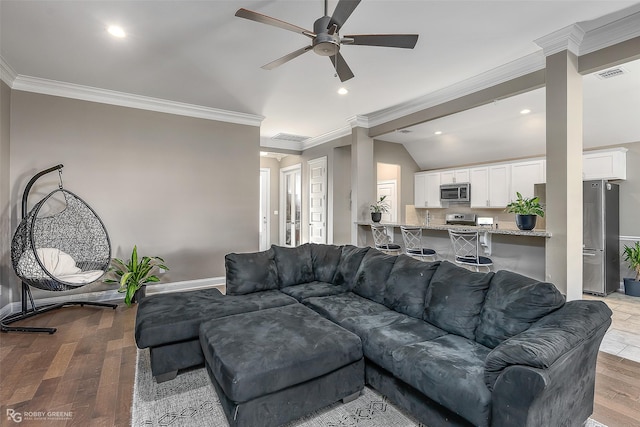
(451, 346)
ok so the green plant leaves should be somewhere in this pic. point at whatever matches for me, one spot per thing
(631, 254)
(525, 206)
(133, 274)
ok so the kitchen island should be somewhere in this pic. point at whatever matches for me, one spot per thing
(510, 249)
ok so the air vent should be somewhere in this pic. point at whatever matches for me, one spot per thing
(290, 137)
(404, 131)
(611, 72)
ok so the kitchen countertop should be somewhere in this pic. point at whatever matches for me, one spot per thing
(503, 231)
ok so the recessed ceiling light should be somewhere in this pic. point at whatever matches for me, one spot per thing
(438, 132)
(525, 111)
(116, 31)
(343, 91)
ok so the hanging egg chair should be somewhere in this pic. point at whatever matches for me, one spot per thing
(60, 245)
(65, 250)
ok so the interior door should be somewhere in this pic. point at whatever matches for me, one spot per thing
(290, 203)
(389, 189)
(318, 200)
(264, 219)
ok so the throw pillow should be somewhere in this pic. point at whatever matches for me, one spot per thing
(294, 265)
(250, 272)
(407, 285)
(514, 302)
(371, 280)
(454, 299)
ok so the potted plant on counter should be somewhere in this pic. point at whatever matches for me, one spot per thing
(135, 274)
(378, 208)
(631, 254)
(527, 210)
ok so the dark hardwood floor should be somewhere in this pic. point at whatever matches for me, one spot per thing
(85, 372)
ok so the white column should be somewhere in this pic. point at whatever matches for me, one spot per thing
(362, 178)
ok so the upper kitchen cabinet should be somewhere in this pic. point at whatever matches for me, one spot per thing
(427, 190)
(455, 176)
(524, 175)
(490, 186)
(605, 164)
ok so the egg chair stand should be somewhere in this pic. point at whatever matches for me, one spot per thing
(58, 252)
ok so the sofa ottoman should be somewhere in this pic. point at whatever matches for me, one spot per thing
(168, 324)
(276, 365)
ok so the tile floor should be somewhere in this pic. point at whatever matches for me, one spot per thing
(623, 337)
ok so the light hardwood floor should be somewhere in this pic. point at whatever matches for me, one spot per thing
(86, 370)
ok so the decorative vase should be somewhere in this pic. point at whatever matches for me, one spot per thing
(376, 216)
(526, 222)
(631, 287)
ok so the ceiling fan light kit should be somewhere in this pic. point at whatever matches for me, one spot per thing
(325, 37)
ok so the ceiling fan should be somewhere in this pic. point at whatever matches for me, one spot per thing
(325, 37)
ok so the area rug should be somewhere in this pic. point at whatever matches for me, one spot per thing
(191, 401)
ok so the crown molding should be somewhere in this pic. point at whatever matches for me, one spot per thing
(520, 67)
(611, 33)
(268, 142)
(326, 137)
(7, 74)
(104, 96)
(568, 38)
(358, 122)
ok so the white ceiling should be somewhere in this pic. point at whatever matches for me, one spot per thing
(199, 53)
(498, 131)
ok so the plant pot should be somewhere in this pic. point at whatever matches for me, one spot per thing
(376, 216)
(139, 294)
(631, 287)
(526, 222)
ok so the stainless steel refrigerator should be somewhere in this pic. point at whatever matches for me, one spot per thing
(601, 239)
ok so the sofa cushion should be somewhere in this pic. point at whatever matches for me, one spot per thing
(513, 303)
(450, 371)
(258, 353)
(350, 259)
(407, 285)
(174, 317)
(454, 299)
(313, 289)
(250, 272)
(293, 264)
(371, 279)
(325, 260)
(338, 307)
(382, 333)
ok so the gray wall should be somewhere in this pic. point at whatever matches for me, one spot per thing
(630, 193)
(5, 226)
(389, 152)
(178, 187)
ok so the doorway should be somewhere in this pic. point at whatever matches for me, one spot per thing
(265, 219)
(388, 188)
(290, 205)
(318, 200)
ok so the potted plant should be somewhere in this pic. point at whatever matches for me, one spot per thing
(378, 208)
(135, 274)
(631, 254)
(527, 210)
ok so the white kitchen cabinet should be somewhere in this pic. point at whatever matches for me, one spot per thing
(427, 190)
(605, 164)
(454, 176)
(524, 175)
(490, 186)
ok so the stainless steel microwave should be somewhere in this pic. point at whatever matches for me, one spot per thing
(455, 192)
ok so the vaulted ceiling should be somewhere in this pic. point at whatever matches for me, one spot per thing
(198, 54)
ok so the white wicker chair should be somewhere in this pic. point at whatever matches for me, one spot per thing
(382, 241)
(466, 249)
(412, 237)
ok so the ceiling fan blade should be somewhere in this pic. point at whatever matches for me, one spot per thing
(286, 58)
(264, 19)
(343, 70)
(407, 41)
(343, 10)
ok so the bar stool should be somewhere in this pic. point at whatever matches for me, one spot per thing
(412, 237)
(466, 249)
(382, 241)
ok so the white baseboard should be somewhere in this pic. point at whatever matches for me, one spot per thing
(114, 295)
